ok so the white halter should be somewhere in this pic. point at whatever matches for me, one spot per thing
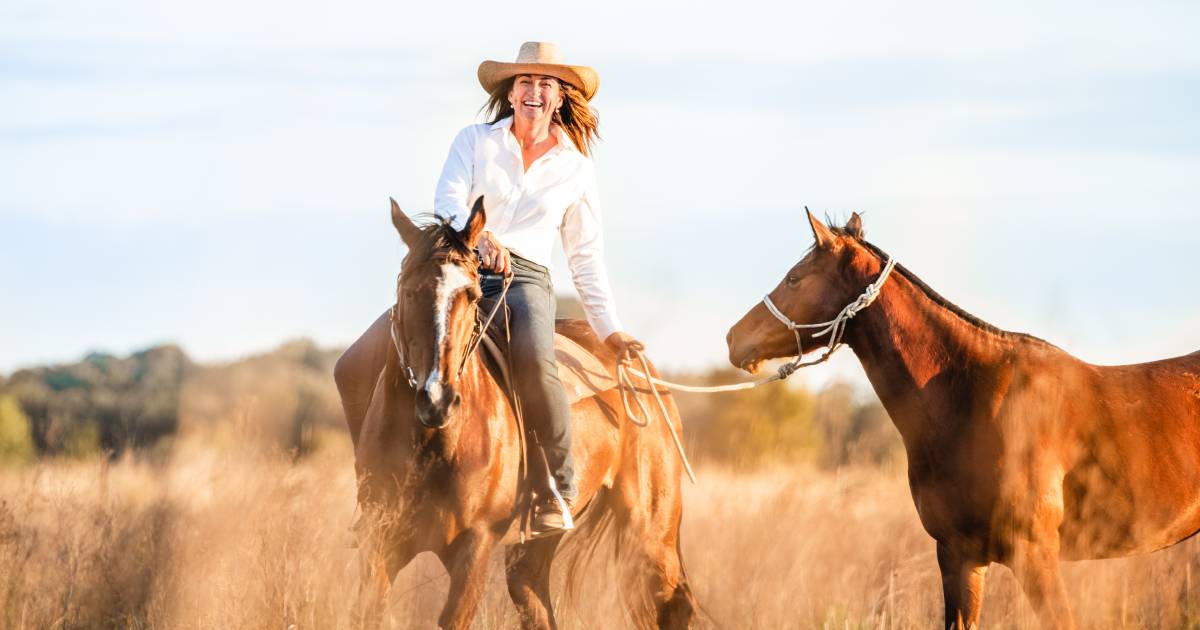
(834, 327)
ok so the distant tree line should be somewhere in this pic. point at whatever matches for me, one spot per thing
(105, 404)
(285, 401)
(102, 402)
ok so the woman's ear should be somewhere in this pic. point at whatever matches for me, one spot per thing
(562, 95)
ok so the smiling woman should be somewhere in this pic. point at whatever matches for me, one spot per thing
(529, 168)
(538, 94)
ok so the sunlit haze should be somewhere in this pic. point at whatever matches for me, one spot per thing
(216, 174)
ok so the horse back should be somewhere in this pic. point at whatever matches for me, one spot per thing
(1129, 443)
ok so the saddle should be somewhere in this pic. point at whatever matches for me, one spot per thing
(582, 372)
(576, 348)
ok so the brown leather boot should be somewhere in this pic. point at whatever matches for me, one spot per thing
(549, 519)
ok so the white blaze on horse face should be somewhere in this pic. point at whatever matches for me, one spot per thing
(453, 279)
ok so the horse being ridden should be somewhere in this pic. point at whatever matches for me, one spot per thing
(437, 452)
(1018, 452)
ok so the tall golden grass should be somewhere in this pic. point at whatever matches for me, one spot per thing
(235, 538)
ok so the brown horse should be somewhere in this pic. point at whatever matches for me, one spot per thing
(438, 457)
(1018, 453)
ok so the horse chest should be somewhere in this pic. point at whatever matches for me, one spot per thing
(951, 499)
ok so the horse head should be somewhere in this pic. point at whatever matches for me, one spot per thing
(830, 275)
(437, 298)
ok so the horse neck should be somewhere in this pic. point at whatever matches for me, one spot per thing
(918, 354)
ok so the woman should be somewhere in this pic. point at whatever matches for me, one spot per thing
(531, 165)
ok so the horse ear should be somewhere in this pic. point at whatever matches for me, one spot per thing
(475, 223)
(822, 234)
(407, 229)
(854, 226)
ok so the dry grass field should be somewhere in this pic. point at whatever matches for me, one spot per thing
(230, 537)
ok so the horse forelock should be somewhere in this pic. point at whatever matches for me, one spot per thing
(438, 244)
(439, 238)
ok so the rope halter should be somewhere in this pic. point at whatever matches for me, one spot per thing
(834, 327)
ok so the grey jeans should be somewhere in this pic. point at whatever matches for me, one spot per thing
(542, 396)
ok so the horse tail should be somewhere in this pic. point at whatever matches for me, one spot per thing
(595, 529)
(584, 558)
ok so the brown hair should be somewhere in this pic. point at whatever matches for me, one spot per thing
(575, 117)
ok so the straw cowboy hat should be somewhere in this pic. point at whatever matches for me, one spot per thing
(539, 58)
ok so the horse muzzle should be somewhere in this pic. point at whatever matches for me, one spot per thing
(744, 356)
(436, 406)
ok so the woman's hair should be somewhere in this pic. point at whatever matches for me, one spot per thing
(575, 117)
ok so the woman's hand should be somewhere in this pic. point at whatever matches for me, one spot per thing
(624, 344)
(494, 255)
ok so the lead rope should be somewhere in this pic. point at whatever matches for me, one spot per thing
(835, 328)
(628, 388)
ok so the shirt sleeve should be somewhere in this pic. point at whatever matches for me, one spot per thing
(454, 186)
(583, 243)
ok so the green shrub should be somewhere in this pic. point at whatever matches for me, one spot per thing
(16, 438)
(766, 425)
(82, 441)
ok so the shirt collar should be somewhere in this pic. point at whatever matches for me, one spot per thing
(564, 141)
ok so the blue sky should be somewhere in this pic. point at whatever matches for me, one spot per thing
(216, 173)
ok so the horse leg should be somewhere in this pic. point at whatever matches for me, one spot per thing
(962, 588)
(649, 507)
(379, 562)
(676, 609)
(466, 560)
(662, 562)
(1035, 564)
(528, 571)
(667, 587)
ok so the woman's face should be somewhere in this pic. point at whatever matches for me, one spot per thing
(535, 96)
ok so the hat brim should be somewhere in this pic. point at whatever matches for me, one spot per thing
(493, 73)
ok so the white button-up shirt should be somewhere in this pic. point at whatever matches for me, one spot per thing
(526, 209)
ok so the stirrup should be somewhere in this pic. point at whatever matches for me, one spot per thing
(556, 522)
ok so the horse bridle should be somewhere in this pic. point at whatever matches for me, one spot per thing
(835, 327)
(481, 327)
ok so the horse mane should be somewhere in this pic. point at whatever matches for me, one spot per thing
(936, 297)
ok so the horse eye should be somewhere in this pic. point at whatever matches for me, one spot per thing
(473, 294)
(792, 281)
